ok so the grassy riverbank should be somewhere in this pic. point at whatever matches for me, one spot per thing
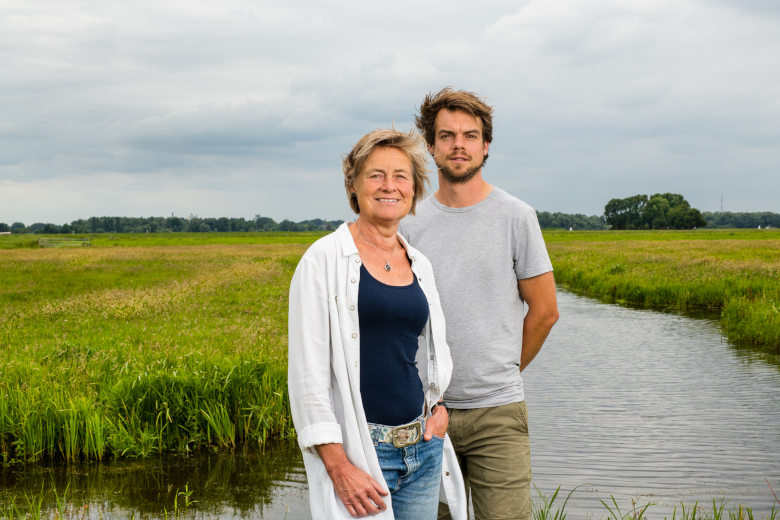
(734, 271)
(177, 342)
(128, 351)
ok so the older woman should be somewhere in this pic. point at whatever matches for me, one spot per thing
(368, 357)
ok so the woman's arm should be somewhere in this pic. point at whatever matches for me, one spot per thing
(309, 371)
(356, 489)
(309, 385)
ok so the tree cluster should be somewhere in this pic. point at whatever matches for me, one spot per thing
(577, 221)
(727, 219)
(170, 225)
(661, 211)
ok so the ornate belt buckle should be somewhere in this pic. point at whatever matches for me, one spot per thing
(403, 435)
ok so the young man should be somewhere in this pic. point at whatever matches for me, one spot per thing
(488, 258)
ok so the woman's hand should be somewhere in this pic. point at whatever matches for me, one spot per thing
(437, 423)
(357, 490)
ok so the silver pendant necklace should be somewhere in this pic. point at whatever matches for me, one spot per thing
(387, 264)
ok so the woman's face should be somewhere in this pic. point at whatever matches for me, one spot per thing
(385, 187)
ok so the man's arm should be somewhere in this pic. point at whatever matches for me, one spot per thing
(539, 294)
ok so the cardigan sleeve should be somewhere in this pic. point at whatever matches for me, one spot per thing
(309, 370)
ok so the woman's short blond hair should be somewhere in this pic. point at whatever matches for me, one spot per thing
(410, 143)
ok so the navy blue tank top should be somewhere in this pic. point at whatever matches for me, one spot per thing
(391, 318)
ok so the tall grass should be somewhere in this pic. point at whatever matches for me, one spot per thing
(738, 275)
(130, 352)
(544, 509)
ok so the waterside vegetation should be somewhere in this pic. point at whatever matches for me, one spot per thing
(734, 272)
(131, 351)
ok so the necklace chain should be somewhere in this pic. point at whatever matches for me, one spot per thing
(387, 264)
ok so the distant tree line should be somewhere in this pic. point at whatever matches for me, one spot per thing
(170, 225)
(578, 221)
(727, 219)
(660, 211)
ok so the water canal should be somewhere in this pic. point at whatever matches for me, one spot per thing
(639, 404)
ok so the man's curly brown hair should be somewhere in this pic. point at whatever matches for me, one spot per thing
(450, 99)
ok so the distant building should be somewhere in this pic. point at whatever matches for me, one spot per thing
(191, 216)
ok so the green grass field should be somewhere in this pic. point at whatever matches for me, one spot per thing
(736, 272)
(177, 342)
(129, 351)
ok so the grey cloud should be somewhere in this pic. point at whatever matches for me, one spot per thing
(258, 101)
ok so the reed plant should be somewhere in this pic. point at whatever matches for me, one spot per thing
(129, 352)
(543, 509)
(734, 273)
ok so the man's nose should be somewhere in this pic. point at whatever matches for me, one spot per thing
(459, 142)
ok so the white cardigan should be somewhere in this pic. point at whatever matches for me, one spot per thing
(324, 370)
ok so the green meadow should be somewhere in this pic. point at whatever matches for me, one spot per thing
(129, 351)
(142, 344)
(734, 272)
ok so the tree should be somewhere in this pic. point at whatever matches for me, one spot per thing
(222, 225)
(47, 229)
(674, 199)
(287, 225)
(683, 216)
(625, 213)
(4, 227)
(654, 214)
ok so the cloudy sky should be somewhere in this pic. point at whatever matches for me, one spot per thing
(237, 108)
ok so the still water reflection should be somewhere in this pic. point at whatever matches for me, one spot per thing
(251, 485)
(652, 406)
(633, 403)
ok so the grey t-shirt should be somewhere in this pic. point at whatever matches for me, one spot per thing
(478, 254)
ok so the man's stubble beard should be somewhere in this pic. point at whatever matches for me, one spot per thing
(453, 178)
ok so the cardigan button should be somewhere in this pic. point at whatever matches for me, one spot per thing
(352, 307)
(431, 358)
(355, 336)
(353, 280)
(357, 260)
(448, 473)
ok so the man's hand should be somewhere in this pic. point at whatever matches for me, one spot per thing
(539, 294)
(437, 423)
(359, 493)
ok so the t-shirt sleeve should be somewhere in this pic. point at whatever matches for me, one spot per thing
(530, 253)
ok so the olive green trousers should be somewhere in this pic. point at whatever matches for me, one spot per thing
(494, 453)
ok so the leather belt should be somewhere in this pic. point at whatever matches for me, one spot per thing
(399, 436)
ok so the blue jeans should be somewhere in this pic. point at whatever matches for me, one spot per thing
(413, 476)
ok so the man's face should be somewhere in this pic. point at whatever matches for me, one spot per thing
(459, 149)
